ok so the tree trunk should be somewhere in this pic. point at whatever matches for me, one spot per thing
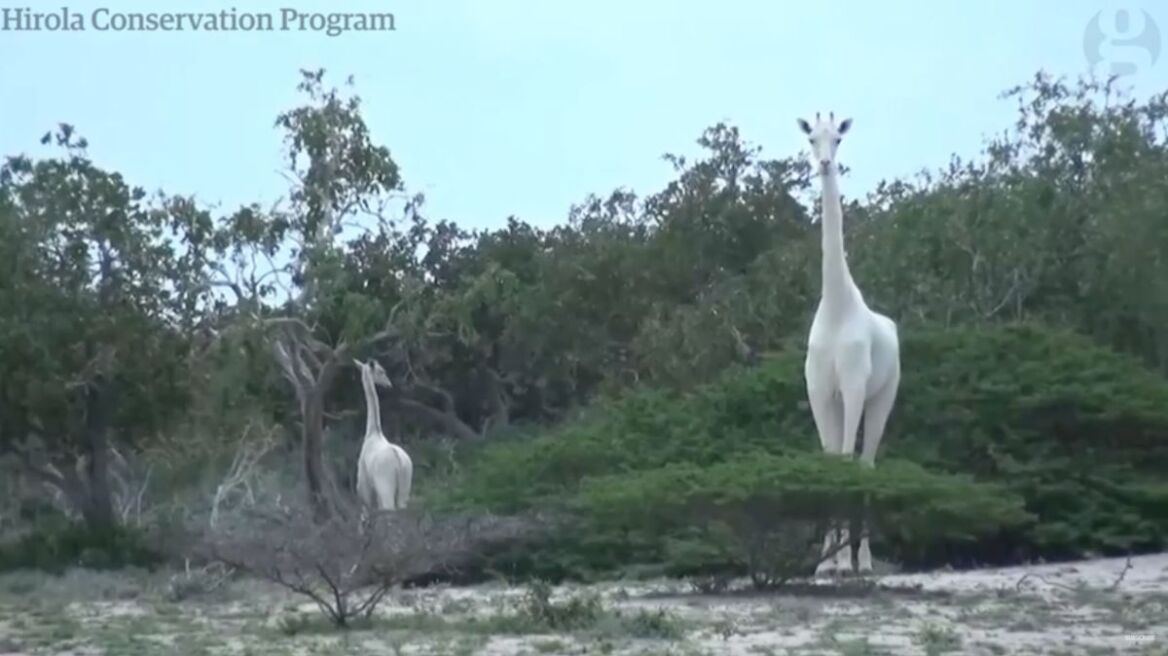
(75, 481)
(312, 443)
(98, 511)
(97, 506)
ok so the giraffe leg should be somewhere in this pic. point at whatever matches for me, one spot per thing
(864, 553)
(875, 420)
(853, 407)
(828, 414)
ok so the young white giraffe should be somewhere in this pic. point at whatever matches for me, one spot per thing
(384, 470)
(853, 353)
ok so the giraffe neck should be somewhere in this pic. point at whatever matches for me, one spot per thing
(838, 288)
(372, 406)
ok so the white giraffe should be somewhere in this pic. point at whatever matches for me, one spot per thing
(853, 353)
(384, 470)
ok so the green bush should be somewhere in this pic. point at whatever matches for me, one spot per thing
(765, 514)
(644, 430)
(1078, 432)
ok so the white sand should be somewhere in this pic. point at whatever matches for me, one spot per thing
(1079, 608)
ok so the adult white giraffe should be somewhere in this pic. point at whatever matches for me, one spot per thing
(384, 469)
(853, 353)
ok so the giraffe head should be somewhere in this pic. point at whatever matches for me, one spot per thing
(825, 138)
(374, 370)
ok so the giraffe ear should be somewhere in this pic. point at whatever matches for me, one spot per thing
(804, 125)
(358, 363)
(844, 125)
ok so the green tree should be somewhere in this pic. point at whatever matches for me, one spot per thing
(100, 292)
(1061, 220)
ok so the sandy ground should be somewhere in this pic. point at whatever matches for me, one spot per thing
(1091, 607)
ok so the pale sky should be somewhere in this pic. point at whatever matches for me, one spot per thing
(500, 107)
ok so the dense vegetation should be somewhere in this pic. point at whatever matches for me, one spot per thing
(636, 369)
(1070, 432)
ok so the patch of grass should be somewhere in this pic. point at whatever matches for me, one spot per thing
(859, 647)
(458, 646)
(658, 624)
(578, 612)
(725, 628)
(78, 584)
(198, 583)
(537, 613)
(585, 612)
(20, 584)
(295, 623)
(51, 628)
(550, 647)
(936, 639)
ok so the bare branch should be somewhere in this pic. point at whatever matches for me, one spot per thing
(242, 470)
(296, 328)
(348, 566)
(308, 360)
(446, 398)
(292, 372)
(745, 352)
(447, 421)
(1011, 293)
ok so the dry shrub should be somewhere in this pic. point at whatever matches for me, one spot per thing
(348, 563)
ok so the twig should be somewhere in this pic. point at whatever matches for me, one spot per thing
(1119, 579)
(1030, 575)
(1070, 588)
